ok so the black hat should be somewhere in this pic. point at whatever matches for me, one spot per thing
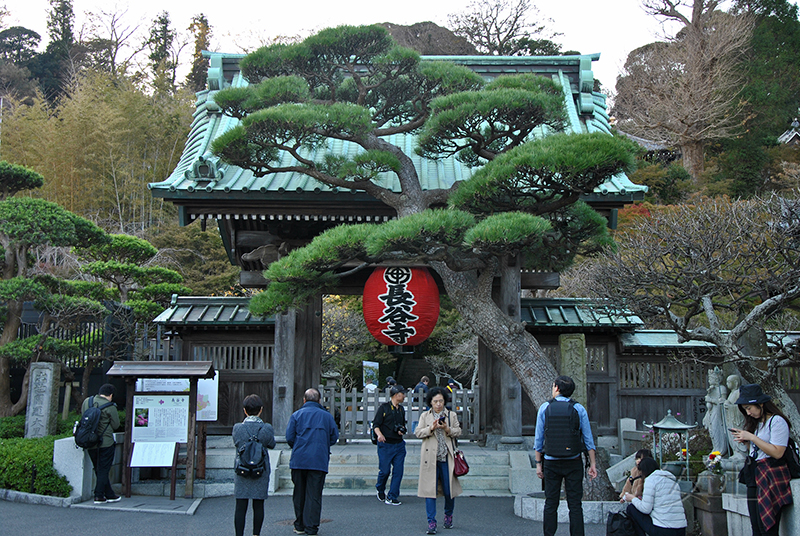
(390, 380)
(752, 394)
(397, 389)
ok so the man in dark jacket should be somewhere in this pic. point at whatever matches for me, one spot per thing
(102, 455)
(390, 427)
(311, 433)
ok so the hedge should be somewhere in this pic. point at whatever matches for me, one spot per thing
(19, 456)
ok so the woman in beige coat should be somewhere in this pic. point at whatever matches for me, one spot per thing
(437, 427)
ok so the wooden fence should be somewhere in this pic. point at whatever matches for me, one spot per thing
(355, 410)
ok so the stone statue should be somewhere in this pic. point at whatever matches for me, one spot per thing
(734, 417)
(714, 421)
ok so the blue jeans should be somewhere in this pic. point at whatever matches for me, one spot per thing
(391, 458)
(443, 477)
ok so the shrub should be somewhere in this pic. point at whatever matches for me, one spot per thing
(18, 457)
(12, 427)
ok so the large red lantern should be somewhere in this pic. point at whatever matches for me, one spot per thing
(401, 305)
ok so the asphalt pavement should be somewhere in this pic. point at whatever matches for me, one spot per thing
(341, 516)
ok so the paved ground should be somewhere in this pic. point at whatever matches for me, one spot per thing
(341, 516)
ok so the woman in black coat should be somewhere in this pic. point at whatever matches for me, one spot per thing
(245, 488)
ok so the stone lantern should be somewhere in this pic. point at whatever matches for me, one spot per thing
(670, 425)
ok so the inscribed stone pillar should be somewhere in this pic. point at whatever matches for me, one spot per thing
(572, 347)
(42, 410)
(511, 390)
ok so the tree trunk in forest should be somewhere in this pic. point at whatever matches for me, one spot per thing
(694, 158)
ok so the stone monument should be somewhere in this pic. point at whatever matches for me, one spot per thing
(42, 410)
(714, 420)
(734, 417)
(572, 363)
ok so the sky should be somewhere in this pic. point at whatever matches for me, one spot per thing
(613, 28)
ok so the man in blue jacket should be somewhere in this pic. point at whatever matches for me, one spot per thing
(563, 433)
(311, 433)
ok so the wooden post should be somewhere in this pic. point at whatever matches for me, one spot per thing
(201, 449)
(130, 382)
(189, 491)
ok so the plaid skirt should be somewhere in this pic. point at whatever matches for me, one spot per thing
(772, 479)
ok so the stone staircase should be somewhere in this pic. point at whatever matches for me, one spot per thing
(354, 469)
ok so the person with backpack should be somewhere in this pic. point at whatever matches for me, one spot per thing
(563, 433)
(102, 453)
(766, 429)
(251, 438)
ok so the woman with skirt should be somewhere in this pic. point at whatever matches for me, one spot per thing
(437, 427)
(767, 431)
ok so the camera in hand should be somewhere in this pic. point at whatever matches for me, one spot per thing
(401, 429)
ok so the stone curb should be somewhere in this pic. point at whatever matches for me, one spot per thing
(33, 498)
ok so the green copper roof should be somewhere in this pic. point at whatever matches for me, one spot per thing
(205, 311)
(574, 313)
(586, 110)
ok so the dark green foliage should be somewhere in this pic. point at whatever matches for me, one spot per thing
(17, 458)
(240, 101)
(22, 350)
(12, 427)
(18, 45)
(543, 175)
(20, 289)
(122, 248)
(506, 112)
(508, 233)
(38, 222)
(421, 234)
(667, 185)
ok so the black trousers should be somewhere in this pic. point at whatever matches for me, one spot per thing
(102, 460)
(241, 512)
(307, 499)
(571, 473)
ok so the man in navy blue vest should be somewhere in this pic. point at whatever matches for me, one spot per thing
(562, 434)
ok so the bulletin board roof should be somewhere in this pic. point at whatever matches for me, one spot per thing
(162, 369)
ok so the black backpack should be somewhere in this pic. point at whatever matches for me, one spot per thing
(792, 459)
(85, 430)
(251, 458)
(619, 524)
(562, 430)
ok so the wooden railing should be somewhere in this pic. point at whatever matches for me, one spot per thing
(355, 410)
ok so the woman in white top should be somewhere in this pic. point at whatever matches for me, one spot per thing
(660, 511)
(767, 431)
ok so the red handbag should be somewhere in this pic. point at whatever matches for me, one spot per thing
(460, 465)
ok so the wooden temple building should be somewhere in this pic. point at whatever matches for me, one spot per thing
(257, 216)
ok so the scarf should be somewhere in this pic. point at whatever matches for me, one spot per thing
(441, 440)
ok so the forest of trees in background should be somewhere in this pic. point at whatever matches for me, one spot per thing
(100, 113)
(733, 147)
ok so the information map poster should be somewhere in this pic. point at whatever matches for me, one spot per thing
(161, 418)
(207, 393)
